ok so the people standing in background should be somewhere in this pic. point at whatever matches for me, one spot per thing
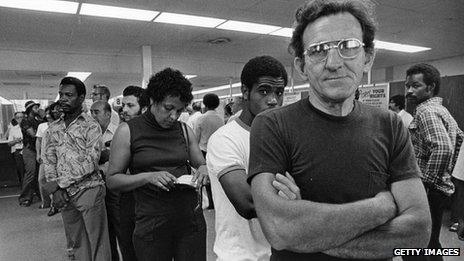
(158, 149)
(435, 136)
(184, 116)
(397, 104)
(29, 127)
(102, 93)
(205, 126)
(238, 233)
(360, 185)
(228, 112)
(70, 156)
(15, 141)
(135, 102)
(51, 114)
(101, 112)
(237, 107)
(196, 113)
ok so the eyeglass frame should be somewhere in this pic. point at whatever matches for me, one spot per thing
(333, 47)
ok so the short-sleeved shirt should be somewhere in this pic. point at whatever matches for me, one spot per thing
(27, 123)
(15, 133)
(332, 159)
(206, 125)
(70, 154)
(236, 239)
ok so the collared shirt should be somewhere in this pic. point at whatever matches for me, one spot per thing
(70, 155)
(15, 133)
(406, 118)
(107, 136)
(206, 125)
(235, 116)
(435, 134)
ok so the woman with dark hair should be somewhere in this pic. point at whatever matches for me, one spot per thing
(158, 149)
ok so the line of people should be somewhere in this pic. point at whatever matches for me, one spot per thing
(325, 178)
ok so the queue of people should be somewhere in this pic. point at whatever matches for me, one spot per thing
(325, 178)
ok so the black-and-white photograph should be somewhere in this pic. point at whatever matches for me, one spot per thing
(232, 130)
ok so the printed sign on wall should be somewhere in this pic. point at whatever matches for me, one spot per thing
(376, 95)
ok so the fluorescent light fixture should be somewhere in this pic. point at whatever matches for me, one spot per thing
(248, 27)
(399, 47)
(228, 95)
(79, 75)
(117, 12)
(222, 87)
(190, 76)
(297, 87)
(285, 32)
(42, 5)
(192, 20)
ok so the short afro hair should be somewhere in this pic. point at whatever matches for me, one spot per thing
(139, 93)
(431, 75)
(169, 82)
(211, 101)
(262, 66)
(78, 84)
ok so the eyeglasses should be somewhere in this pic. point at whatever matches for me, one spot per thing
(347, 49)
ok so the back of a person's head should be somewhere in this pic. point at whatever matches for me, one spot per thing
(139, 93)
(196, 106)
(430, 74)
(211, 101)
(169, 82)
(398, 100)
(78, 84)
(262, 66)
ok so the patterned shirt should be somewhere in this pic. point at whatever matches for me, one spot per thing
(436, 137)
(70, 155)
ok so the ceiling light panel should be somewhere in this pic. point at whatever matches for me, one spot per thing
(399, 47)
(42, 5)
(248, 27)
(79, 75)
(190, 76)
(117, 12)
(285, 32)
(191, 20)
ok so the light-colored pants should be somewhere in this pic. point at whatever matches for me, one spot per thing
(86, 226)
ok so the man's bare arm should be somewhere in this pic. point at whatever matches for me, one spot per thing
(409, 229)
(306, 226)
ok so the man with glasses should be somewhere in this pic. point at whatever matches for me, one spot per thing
(361, 192)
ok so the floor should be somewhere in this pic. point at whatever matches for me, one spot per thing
(29, 234)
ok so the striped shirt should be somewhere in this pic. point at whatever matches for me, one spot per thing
(436, 137)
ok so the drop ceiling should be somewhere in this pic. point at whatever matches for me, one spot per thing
(34, 42)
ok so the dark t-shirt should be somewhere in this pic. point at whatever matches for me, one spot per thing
(154, 148)
(332, 159)
(28, 140)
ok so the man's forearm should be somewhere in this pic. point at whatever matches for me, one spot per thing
(410, 230)
(346, 222)
(305, 226)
